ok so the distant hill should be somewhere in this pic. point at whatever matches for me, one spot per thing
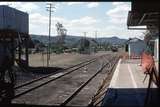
(112, 40)
(71, 40)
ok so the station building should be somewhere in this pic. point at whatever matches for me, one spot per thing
(135, 47)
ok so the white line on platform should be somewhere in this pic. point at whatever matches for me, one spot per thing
(131, 74)
(115, 75)
(138, 97)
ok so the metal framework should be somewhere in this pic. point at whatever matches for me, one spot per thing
(17, 40)
(12, 41)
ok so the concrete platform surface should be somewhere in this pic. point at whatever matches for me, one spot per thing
(127, 87)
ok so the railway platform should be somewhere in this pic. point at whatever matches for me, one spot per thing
(127, 87)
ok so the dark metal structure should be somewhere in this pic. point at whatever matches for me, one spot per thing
(16, 41)
(12, 40)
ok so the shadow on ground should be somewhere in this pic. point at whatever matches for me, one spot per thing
(131, 97)
(44, 70)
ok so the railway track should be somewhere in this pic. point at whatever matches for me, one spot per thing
(69, 69)
(36, 83)
(77, 96)
(44, 82)
(46, 76)
(98, 97)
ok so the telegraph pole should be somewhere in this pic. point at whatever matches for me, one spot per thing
(85, 34)
(96, 39)
(96, 36)
(49, 8)
(85, 38)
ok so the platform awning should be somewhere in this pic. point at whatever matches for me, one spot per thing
(142, 19)
(143, 14)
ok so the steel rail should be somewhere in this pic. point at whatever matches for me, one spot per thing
(33, 88)
(66, 101)
(102, 90)
(46, 76)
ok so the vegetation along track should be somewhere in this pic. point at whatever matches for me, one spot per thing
(63, 89)
(36, 83)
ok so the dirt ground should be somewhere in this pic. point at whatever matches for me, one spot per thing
(57, 60)
(55, 92)
(60, 60)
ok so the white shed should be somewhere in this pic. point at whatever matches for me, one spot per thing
(135, 47)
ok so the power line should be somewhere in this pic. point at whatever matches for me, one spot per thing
(50, 13)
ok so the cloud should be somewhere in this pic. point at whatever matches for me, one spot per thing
(118, 14)
(115, 26)
(118, 21)
(118, 3)
(29, 7)
(83, 24)
(74, 3)
(36, 18)
(84, 20)
(39, 24)
(120, 31)
(23, 6)
(91, 5)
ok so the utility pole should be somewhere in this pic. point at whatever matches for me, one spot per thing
(96, 40)
(96, 36)
(50, 12)
(85, 34)
(84, 37)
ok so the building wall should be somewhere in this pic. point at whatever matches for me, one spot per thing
(136, 48)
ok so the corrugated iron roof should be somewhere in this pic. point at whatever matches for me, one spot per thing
(131, 40)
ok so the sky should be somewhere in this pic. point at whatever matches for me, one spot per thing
(107, 18)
